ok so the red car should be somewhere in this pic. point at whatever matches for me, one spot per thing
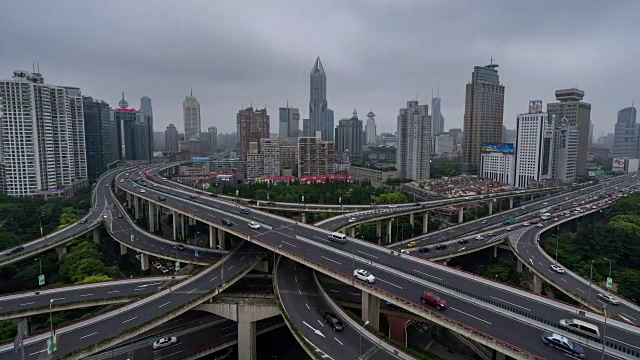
(433, 300)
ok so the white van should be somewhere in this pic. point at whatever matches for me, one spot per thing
(340, 238)
(580, 327)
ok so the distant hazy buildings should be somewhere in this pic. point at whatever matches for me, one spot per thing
(625, 138)
(289, 125)
(145, 105)
(320, 116)
(578, 114)
(534, 145)
(253, 125)
(437, 120)
(483, 114)
(42, 137)
(171, 139)
(442, 144)
(315, 156)
(349, 139)
(370, 129)
(414, 142)
(213, 138)
(191, 115)
(98, 132)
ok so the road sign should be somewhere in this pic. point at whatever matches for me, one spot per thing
(177, 266)
(41, 279)
(512, 219)
(609, 282)
(195, 252)
(52, 344)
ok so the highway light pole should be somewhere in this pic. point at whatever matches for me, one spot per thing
(590, 282)
(609, 266)
(556, 236)
(51, 320)
(604, 332)
(361, 330)
(40, 221)
(39, 260)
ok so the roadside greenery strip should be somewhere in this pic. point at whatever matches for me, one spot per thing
(308, 347)
(91, 349)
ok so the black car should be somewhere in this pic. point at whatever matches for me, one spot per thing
(562, 343)
(15, 250)
(162, 198)
(193, 196)
(120, 215)
(246, 211)
(271, 203)
(227, 222)
(213, 195)
(391, 305)
(424, 249)
(179, 247)
(441, 246)
(463, 241)
(333, 321)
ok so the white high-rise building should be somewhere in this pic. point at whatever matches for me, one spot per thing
(534, 145)
(497, 165)
(42, 142)
(192, 120)
(370, 129)
(414, 142)
(565, 151)
(270, 156)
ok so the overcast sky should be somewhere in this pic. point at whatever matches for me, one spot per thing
(377, 54)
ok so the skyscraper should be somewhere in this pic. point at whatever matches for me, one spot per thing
(625, 136)
(98, 132)
(171, 139)
(320, 116)
(134, 132)
(483, 114)
(42, 137)
(437, 120)
(213, 138)
(253, 125)
(145, 105)
(315, 157)
(370, 129)
(414, 142)
(578, 113)
(565, 151)
(348, 140)
(191, 114)
(289, 124)
(534, 145)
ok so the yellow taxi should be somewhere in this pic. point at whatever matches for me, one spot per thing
(411, 244)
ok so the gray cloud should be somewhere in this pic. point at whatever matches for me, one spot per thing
(377, 54)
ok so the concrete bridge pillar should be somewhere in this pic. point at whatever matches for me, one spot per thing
(303, 217)
(511, 202)
(213, 237)
(389, 231)
(352, 231)
(379, 231)
(460, 214)
(129, 200)
(531, 197)
(183, 225)
(61, 250)
(152, 217)
(247, 340)
(490, 207)
(18, 321)
(221, 240)
(144, 261)
(518, 265)
(412, 219)
(495, 251)
(371, 309)
(96, 236)
(425, 222)
(497, 355)
(537, 284)
(136, 207)
(175, 224)
(123, 249)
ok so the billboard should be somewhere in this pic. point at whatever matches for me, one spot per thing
(506, 148)
(618, 164)
(201, 159)
(633, 165)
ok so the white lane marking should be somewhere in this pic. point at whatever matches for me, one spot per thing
(362, 252)
(336, 291)
(355, 294)
(177, 352)
(133, 318)
(326, 258)
(504, 301)
(213, 278)
(29, 303)
(228, 327)
(320, 322)
(192, 291)
(85, 295)
(384, 281)
(582, 291)
(629, 316)
(563, 279)
(242, 257)
(425, 274)
(57, 299)
(113, 292)
(289, 244)
(167, 303)
(82, 337)
(622, 342)
(37, 352)
(339, 342)
(477, 318)
(230, 267)
(308, 308)
(625, 319)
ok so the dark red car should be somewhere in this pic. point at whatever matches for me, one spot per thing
(432, 299)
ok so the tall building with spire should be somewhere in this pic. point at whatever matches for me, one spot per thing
(320, 116)
(192, 121)
(370, 129)
(437, 120)
(483, 114)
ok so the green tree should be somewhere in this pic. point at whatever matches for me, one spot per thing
(393, 197)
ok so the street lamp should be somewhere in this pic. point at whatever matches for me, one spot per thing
(363, 326)
(40, 221)
(51, 318)
(590, 282)
(39, 260)
(556, 236)
(604, 332)
(609, 266)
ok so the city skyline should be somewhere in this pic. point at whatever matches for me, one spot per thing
(378, 81)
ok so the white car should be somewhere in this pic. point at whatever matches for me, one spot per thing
(484, 221)
(364, 275)
(352, 220)
(555, 219)
(491, 233)
(608, 298)
(479, 237)
(254, 225)
(557, 268)
(526, 224)
(541, 225)
(142, 191)
(164, 342)
(509, 228)
(393, 206)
